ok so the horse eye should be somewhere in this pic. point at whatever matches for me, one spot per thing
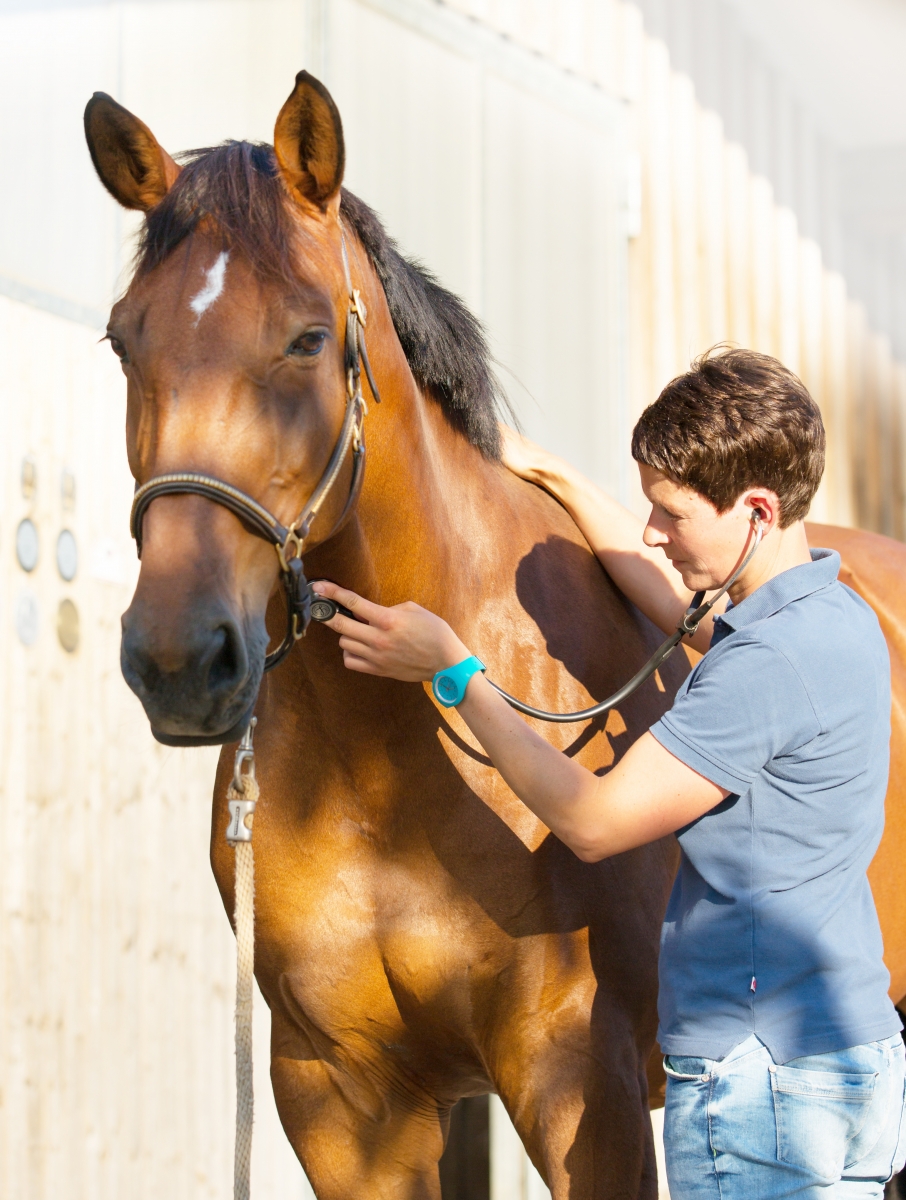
(308, 344)
(118, 348)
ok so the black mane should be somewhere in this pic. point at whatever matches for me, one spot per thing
(237, 186)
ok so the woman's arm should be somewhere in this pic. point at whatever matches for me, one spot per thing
(613, 532)
(648, 794)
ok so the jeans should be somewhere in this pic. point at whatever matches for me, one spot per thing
(744, 1128)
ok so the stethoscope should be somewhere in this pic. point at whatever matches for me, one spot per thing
(323, 609)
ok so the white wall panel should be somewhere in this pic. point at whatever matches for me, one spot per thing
(555, 275)
(513, 1177)
(197, 71)
(64, 240)
(413, 150)
(116, 959)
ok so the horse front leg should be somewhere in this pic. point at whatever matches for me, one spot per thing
(359, 1135)
(582, 1115)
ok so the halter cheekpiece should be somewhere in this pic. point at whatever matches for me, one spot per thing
(289, 542)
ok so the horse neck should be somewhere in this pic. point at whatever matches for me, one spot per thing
(429, 505)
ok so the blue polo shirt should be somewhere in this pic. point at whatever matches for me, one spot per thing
(771, 927)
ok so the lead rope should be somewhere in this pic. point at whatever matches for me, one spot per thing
(242, 797)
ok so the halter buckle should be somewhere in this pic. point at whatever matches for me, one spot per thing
(294, 542)
(353, 384)
(357, 305)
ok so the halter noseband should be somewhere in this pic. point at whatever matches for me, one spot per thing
(289, 541)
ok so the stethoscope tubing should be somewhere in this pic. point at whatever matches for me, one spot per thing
(323, 609)
(692, 618)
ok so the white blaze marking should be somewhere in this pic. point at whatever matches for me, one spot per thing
(214, 278)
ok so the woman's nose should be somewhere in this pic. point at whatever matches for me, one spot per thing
(654, 536)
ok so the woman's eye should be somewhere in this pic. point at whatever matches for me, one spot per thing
(308, 344)
(118, 349)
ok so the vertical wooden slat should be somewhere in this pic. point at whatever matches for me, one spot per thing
(787, 339)
(839, 497)
(812, 362)
(686, 205)
(740, 309)
(714, 324)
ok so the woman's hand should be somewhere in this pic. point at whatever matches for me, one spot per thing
(522, 457)
(404, 642)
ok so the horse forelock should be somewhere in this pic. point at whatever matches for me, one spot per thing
(236, 188)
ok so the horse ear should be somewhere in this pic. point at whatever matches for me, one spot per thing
(308, 142)
(132, 166)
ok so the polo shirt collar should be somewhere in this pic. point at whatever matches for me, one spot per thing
(783, 589)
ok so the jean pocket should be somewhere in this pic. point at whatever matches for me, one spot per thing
(682, 1066)
(819, 1117)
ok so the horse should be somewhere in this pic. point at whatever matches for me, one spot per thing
(420, 936)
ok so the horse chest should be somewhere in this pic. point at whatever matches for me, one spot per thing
(373, 961)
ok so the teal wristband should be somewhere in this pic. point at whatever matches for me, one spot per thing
(449, 686)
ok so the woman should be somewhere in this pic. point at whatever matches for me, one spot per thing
(784, 1060)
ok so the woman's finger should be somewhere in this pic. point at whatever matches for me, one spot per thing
(346, 626)
(356, 645)
(366, 610)
(353, 663)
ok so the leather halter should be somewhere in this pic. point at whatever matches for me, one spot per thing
(289, 541)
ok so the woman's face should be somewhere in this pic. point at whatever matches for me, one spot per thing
(705, 546)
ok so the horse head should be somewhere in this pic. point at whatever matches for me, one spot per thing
(232, 336)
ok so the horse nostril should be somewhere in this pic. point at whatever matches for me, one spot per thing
(229, 664)
(138, 666)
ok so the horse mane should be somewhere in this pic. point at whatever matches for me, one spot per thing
(237, 186)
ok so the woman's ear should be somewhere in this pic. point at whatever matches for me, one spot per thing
(308, 143)
(131, 164)
(764, 504)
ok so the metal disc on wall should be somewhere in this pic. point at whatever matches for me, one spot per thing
(27, 545)
(67, 555)
(27, 618)
(68, 626)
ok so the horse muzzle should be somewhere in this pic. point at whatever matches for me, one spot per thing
(197, 679)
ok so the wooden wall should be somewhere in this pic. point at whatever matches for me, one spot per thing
(554, 166)
(734, 226)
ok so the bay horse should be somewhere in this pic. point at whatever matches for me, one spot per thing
(420, 936)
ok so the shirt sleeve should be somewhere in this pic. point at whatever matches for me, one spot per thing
(742, 708)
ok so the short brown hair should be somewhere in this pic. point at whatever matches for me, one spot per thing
(736, 419)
